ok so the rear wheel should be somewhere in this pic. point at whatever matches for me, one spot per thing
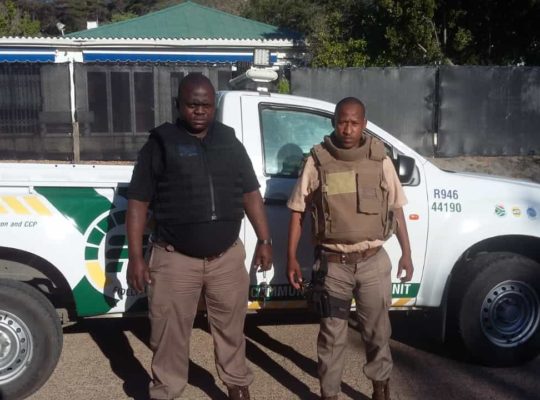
(499, 310)
(30, 339)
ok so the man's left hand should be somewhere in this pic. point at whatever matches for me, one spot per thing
(262, 260)
(405, 264)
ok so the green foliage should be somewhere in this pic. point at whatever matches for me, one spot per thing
(283, 86)
(338, 33)
(16, 22)
(491, 31)
(331, 47)
(122, 16)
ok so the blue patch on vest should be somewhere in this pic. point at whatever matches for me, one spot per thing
(187, 150)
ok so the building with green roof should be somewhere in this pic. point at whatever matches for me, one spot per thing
(184, 33)
(188, 21)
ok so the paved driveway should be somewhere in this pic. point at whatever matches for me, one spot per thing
(110, 359)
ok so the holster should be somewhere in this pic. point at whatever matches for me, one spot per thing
(318, 298)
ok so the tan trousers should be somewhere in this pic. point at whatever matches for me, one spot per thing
(370, 284)
(173, 296)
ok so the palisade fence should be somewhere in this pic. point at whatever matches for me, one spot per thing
(442, 111)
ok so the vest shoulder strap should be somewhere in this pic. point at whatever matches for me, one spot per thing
(377, 151)
(320, 155)
(164, 131)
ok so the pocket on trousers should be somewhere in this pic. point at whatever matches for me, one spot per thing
(156, 258)
(384, 268)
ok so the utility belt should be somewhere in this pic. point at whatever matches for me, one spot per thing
(347, 258)
(170, 248)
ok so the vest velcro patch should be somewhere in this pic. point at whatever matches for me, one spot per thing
(340, 182)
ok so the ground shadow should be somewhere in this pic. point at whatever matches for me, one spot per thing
(422, 330)
(255, 334)
(111, 338)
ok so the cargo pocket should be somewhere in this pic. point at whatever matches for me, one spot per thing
(388, 217)
(369, 196)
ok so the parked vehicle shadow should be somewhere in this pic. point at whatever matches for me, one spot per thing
(422, 330)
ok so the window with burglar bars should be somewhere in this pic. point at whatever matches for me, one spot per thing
(20, 98)
(120, 100)
(130, 99)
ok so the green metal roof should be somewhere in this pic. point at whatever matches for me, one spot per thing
(187, 21)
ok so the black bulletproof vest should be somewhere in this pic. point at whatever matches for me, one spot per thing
(202, 180)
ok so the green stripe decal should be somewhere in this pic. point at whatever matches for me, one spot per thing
(80, 204)
(405, 290)
(91, 302)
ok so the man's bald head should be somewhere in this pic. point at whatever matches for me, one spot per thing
(350, 101)
(193, 80)
(196, 103)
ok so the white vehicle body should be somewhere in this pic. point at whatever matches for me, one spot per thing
(62, 231)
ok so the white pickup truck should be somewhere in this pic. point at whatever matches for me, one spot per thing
(63, 252)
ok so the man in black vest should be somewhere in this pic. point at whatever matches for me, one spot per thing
(199, 181)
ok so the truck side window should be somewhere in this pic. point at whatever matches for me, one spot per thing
(288, 135)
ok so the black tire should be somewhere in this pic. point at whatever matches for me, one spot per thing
(499, 310)
(30, 340)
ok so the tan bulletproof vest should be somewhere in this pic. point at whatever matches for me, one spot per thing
(351, 203)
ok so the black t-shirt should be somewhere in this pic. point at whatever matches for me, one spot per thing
(195, 239)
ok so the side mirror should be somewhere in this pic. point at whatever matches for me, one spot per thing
(405, 168)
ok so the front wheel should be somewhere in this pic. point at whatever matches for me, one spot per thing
(499, 313)
(30, 339)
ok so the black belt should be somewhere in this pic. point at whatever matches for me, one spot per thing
(349, 258)
(170, 248)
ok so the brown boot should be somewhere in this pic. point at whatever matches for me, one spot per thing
(381, 390)
(238, 392)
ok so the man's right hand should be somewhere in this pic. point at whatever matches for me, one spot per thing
(138, 274)
(294, 273)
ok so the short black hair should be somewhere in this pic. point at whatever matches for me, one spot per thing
(350, 100)
(193, 78)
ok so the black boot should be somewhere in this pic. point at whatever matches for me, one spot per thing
(381, 390)
(238, 392)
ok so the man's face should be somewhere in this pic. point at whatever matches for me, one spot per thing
(196, 107)
(349, 125)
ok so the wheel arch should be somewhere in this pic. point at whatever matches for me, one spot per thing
(528, 246)
(23, 266)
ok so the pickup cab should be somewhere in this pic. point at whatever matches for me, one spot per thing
(63, 249)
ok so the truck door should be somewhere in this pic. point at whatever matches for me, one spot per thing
(278, 135)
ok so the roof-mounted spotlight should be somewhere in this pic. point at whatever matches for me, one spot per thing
(261, 58)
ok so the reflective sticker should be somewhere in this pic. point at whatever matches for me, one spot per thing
(516, 211)
(414, 217)
(499, 210)
(531, 213)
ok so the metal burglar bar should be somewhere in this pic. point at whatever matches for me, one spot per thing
(20, 98)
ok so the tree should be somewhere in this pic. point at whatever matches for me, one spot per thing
(15, 22)
(491, 31)
(325, 25)
(332, 44)
(400, 32)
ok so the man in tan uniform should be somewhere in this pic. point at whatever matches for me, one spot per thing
(355, 198)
